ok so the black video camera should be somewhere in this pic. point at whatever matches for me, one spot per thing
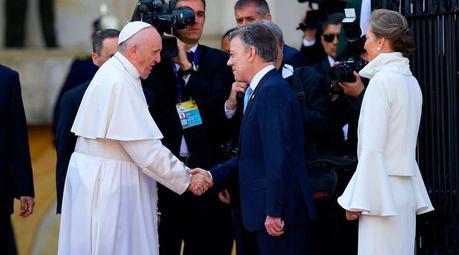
(344, 70)
(165, 18)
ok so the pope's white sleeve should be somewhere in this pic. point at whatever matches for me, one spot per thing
(158, 162)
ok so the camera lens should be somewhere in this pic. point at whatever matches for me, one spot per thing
(341, 72)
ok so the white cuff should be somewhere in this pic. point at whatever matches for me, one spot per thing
(229, 113)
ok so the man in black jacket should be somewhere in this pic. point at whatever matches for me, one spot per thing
(16, 180)
(248, 11)
(105, 45)
(198, 76)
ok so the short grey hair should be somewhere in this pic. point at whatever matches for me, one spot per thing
(260, 37)
(277, 31)
(262, 6)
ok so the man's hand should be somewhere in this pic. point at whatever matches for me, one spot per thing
(201, 181)
(274, 226)
(27, 204)
(181, 58)
(350, 215)
(353, 89)
(224, 197)
(237, 87)
(310, 34)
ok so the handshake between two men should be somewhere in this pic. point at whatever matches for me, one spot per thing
(201, 181)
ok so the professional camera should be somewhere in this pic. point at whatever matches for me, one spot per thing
(165, 18)
(344, 70)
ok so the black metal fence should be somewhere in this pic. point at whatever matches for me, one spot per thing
(435, 26)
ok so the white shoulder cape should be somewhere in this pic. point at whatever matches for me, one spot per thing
(114, 106)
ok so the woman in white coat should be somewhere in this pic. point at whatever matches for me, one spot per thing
(387, 192)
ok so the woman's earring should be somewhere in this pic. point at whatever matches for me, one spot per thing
(379, 48)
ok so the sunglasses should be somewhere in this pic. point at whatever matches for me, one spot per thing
(330, 37)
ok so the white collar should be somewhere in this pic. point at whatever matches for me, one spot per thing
(259, 75)
(130, 68)
(287, 71)
(393, 62)
(194, 48)
(331, 61)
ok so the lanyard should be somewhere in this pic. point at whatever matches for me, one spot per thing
(179, 79)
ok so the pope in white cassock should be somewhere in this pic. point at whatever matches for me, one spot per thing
(109, 204)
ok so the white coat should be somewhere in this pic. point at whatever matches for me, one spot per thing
(387, 186)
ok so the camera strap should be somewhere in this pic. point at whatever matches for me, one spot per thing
(298, 87)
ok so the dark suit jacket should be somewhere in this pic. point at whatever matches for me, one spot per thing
(15, 167)
(293, 57)
(273, 178)
(322, 66)
(344, 110)
(313, 54)
(316, 110)
(66, 140)
(81, 70)
(209, 87)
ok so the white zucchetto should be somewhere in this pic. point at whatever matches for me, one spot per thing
(131, 29)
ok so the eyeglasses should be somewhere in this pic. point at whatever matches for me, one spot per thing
(330, 37)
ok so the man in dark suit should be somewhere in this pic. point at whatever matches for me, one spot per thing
(105, 45)
(199, 78)
(329, 40)
(333, 233)
(248, 11)
(16, 180)
(275, 194)
(314, 105)
(82, 68)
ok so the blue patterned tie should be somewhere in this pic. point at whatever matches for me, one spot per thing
(247, 95)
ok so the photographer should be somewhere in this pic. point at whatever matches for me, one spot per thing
(332, 233)
(311, 47)
(197, 77)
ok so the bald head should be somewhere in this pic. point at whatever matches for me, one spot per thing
(143, 50)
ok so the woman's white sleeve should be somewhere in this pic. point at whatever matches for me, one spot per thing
(369, 190)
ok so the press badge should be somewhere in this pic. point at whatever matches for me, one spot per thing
(189, 114)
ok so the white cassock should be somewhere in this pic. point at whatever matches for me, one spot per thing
(387, 185)
(110, 195)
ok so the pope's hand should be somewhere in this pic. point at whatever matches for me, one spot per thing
(27, 205)
(351, 215)
(201, 181)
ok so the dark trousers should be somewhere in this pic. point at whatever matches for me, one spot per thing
(8, 231)
(246, 242)
(294, 241)
(202, 223)
(332, 233)
(15, 13)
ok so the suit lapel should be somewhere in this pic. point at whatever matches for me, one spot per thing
(202, 50)
(254, 96)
